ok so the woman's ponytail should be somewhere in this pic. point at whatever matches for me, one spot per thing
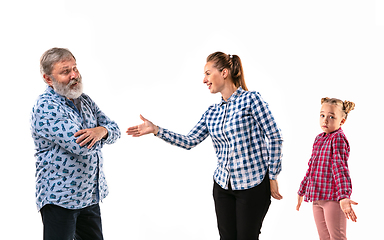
(237, 72)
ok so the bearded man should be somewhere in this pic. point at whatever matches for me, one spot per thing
(69, 130)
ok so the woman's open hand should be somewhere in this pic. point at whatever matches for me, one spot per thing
(143, 129)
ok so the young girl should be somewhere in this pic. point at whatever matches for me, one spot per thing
(327, 182)
(247, 167)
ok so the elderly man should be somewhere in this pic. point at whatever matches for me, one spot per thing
(69, 130)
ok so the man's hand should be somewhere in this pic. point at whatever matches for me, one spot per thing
(275, 190)
(91, 136)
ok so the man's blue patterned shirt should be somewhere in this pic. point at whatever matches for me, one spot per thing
(68, 175)
(239, 129)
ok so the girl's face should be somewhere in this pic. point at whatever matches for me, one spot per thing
(331, 117)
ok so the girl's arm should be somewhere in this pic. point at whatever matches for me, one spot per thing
(303, 186)
(340, 172)
(299, 201)
(304, 182)
(340, 154)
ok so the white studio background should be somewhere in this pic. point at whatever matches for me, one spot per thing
(147, 57)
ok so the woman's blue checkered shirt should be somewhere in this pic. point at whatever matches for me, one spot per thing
(239, 129)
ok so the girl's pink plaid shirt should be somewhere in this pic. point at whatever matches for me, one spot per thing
(327, 177)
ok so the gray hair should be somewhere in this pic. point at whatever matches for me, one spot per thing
(52, 56)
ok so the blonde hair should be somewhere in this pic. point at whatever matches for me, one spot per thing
(346, 106)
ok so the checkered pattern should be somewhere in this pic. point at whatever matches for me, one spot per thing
(327, 177)
(239, 129)
(68, 175)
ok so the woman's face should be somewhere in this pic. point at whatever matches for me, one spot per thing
(213, 78)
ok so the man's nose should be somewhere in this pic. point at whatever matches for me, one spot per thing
(74, 74)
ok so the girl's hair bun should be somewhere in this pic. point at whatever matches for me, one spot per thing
(324, 100)
(348, 106)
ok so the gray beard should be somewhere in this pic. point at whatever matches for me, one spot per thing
(65, 89)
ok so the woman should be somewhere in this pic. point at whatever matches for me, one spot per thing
(247, 169)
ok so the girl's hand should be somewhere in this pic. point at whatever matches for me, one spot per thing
(346, 206)
(275, 190)
(143, 129)
(299, 201)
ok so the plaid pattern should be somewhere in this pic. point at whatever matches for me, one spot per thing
(327, 177)
(238, 128)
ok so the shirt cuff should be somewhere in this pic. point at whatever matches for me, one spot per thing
(109, 136)
(160, 132)
(272, 176)
(342, 197)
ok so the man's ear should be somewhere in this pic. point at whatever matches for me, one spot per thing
(47, 79)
